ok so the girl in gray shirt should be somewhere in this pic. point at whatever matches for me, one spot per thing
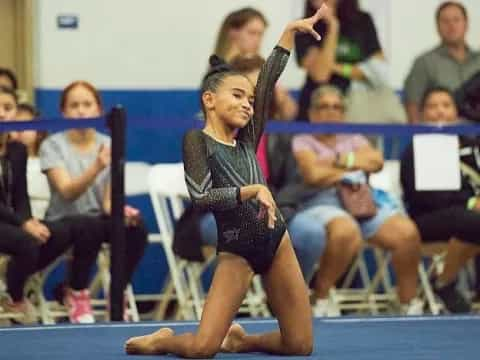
(77, 165)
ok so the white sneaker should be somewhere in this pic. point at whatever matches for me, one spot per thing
(325, 308)
(413, 308)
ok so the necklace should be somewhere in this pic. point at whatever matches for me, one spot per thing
(213, 136)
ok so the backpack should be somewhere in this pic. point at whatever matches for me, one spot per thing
(187, 239)
(467, 98)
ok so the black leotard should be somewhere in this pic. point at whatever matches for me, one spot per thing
(215, 172)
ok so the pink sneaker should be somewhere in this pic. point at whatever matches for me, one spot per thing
(79, 307)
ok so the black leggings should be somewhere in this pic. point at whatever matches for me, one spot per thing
(27, 255)
(92, 233)
(85, 233)
(455, 221)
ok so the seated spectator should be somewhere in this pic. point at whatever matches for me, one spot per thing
(446, 215)
(38, 190)
(30, 243)
(241, 36)
(8, 79)
(241, 33)
(76, 163)
(326, 161)
(349, 56)
(448, 65)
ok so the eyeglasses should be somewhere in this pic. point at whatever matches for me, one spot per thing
(324, 107)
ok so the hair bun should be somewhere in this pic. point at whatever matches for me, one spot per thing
(216, 61)
(217, 65)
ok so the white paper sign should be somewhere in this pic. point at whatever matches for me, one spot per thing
(437, 162)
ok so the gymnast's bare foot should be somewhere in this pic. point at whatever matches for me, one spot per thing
(235, 340)
(147, 344)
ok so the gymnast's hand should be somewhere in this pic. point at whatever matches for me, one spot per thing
(306, 25)
(267, 205)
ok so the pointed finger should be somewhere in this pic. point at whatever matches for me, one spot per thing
(315, 34)
(271, 222)
(321, 12)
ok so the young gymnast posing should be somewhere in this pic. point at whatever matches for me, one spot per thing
(223, 175)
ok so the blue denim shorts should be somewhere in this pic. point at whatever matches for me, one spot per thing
(328, 207)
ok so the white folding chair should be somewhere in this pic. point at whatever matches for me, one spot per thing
(33, 288)
(5, 316)
(136, 178)
(375, 293)
(167, 189)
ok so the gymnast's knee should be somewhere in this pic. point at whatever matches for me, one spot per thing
(204, 348)
(299, 345)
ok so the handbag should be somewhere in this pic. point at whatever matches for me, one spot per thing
(357, 200)
(187, 240)
(467, 98)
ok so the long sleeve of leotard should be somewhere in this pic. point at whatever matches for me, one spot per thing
(264, 92)
(199, 178)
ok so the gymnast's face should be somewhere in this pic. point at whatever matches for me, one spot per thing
(232, 102)
(80, 104)
(440, 108)
(452, 25)
(249, 37)
(327, 108)
(8, 107)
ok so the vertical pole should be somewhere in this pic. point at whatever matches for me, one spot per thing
(117, 124)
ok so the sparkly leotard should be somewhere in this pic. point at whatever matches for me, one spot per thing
(215, 172)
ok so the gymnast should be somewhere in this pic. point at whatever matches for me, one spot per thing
(223, 175)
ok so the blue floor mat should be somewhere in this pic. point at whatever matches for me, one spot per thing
(432, 338)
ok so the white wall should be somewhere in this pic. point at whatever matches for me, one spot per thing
(163, 44)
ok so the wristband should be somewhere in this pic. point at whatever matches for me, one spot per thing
(239, 196)
(347, 70)
(350, 160)
(471, 203)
